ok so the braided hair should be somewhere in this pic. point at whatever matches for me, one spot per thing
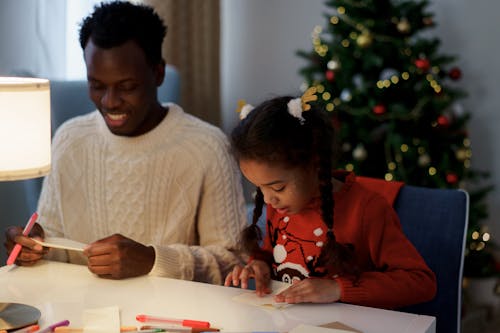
(270, 134)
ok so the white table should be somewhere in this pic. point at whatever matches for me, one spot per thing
(63, 291)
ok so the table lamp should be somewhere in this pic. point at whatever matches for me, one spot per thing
(24, 128)
(24, 153)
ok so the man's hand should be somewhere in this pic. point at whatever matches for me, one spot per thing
(31, 252)
(119, 257)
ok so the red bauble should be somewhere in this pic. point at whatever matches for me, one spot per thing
(379, 109)
(423, 64)
(428, 21)
(455, 73)
(451, 178)
(443, 121)
(330, 75)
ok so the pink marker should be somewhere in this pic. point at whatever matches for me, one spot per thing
(184, 322)
(17, 248)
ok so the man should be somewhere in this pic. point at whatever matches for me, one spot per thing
(156, 187)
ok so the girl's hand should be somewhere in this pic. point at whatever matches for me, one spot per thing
(257, 269)
(311, 290)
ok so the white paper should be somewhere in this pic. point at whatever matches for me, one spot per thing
(250, 297)
(101, 320)
(302, 328)
(61, 243)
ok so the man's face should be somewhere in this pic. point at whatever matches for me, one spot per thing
(123, 85)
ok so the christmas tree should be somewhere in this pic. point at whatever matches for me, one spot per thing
(394, 99)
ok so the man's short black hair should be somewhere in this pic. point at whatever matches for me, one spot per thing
(114, 23)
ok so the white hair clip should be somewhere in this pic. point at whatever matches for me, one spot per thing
(244, 109)
(295, 106)
(300, 104)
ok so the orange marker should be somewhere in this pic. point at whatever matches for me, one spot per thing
(28, 329)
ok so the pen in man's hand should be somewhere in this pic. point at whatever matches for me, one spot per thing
(17, 248)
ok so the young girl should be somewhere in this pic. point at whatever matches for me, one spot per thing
(329, 236)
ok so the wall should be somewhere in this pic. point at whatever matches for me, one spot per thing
(260, 38)
(32, 36)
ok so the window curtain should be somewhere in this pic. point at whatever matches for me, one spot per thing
(192, 45)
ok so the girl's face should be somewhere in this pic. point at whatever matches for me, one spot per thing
(287, 190)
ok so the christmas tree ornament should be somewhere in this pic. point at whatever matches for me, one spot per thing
(387, 74)
(403, 26)
(443, 121)
(451, 178)
(379, 109)
(365, 39)
(345, 95)
(424, 160)
(357, 80)
(428, 21)
(346, 146)
(455, 73)
(330, 75)
(333, 65)
(457, 109)
(423, 64)
(359, 153)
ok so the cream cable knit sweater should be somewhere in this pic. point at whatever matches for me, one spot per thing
(176, 188)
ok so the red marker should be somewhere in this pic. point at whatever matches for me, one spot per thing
(184, 322)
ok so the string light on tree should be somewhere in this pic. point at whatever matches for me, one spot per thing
(403, 26)
(365, 39)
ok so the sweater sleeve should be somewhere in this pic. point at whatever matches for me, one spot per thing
(400, 276)
(220, 217)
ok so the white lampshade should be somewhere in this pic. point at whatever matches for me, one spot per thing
(24, 128)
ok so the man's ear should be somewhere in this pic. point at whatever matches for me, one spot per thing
(160, 72)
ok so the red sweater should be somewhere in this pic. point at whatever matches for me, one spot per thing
(393, 272)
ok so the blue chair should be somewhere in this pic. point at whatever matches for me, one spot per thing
(435, 221)
(69, 98)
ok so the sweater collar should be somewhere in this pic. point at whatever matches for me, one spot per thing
(146, 140)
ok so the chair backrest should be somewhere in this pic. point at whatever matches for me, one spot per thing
(435, 221)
